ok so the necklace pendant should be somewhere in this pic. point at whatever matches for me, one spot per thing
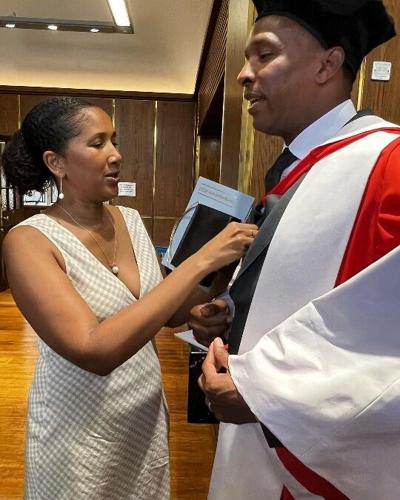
(115, 269)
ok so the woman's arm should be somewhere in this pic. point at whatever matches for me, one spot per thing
(202, 295)
(65, 322)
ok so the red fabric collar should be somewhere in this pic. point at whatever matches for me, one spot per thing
(318, 154)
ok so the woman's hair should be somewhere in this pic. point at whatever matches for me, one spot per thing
(49, 126)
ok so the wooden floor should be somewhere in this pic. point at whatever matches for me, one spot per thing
(192, 446)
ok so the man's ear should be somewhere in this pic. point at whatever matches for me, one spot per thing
(53, 162)
(331, 62)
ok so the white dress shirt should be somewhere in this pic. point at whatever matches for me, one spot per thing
(320, 131)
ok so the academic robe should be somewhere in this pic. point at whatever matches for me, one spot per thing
(319, 359)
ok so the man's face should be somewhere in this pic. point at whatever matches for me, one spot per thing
(279, 76)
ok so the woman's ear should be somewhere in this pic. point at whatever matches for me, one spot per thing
(331, 62)
(53, 162)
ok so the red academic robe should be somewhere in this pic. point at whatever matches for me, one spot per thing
(319, 357)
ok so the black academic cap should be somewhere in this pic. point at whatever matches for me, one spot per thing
(356, 25)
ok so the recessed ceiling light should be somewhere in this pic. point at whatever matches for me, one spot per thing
(54, 24)
(119, 12)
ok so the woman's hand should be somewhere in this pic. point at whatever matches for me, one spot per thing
(228, 246)
(209, 321)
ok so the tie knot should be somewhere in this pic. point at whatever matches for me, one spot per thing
(284, 160)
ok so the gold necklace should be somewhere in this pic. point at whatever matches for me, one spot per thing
(112, 265)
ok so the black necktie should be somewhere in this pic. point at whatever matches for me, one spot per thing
(284, 160)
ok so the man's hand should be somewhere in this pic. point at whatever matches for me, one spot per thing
(222, 397)
(209, 321)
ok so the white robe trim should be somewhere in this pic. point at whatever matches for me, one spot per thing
(319, 366)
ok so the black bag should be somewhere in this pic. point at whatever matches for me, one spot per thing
(205, 223)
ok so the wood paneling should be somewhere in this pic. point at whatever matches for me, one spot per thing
(103, 103)
(266, 149)
(356, 90)
(209, 157)
(211, 124)
(148, 222)
(162, 229)
(110, 94)
(238, 29)
(384, 97)
(174, 158)
(213, 67)
(8, 114)
(134, 121)
(29, 101)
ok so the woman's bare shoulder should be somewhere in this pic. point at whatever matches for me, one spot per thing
(24, 240)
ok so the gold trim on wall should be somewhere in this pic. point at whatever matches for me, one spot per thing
(246, 154)
(197, 157)
(154, 156)
(246, 150)
(113, 112)
(19, 110)
(361, 84)
(164, 217)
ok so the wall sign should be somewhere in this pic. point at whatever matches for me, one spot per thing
(381, 70)
(127, 189)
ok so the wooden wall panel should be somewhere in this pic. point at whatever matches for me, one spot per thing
(162, 229)
(28, 101)
(8, 114)
(148, 222)
(101, 102)
(384, 97)
(209, 157)
(134, 122)
(214, 67)
(266, 149)
(239, 24)
(356, 91)
(174, 158)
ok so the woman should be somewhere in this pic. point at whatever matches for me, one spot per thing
(85, 276)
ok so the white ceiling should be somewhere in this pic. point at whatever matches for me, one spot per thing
(161, 56)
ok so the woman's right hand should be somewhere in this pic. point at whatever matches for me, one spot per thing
(228, 246)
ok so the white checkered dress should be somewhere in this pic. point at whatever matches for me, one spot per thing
(92, 437)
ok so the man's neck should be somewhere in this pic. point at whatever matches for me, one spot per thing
(314, 115)
(322, 129)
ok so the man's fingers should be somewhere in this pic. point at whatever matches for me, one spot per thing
(213, 308)
(220, 354)
(209, 368)
(209, 310)
(206, 335)
(200, 381)
(216, 319)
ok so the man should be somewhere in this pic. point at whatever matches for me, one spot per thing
(309, 392)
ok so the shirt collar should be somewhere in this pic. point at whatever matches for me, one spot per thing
(322, 129)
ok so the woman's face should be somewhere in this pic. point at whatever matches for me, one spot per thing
(91, 161)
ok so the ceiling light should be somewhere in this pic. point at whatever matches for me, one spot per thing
(83, 26)
(120, 12)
